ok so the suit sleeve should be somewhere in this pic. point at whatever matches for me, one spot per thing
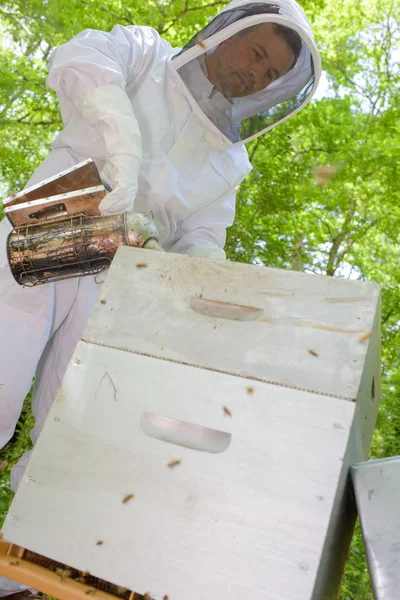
(94, 59)
(203, 234)
(90, 74)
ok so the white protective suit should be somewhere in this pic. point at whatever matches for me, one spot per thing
(163, 141)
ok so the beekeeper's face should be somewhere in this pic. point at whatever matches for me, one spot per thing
(249, 61)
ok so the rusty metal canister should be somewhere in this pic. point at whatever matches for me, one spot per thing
(75, 246)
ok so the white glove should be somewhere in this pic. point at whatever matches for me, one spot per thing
(206, 251)
(108, 108)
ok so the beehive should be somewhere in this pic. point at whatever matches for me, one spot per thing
(230, 401)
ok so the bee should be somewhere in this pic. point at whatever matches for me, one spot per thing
(227, 411)
(365, 336)
(165, 598)
(127, 498)
(121, 590)
(99, 543)
(103, 301)
(173, 463)
(141, 265)
(63, 573)
(324, 174)
(313, 353)
(147, 596)
(250, 390)
(14, 563)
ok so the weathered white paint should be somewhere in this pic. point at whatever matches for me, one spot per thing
(262, 517)
(150, 310)
(377, 489)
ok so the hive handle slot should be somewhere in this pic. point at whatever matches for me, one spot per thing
(183, 433)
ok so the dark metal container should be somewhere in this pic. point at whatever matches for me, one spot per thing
(75, 246)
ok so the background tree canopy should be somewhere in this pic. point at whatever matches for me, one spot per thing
(324, 195)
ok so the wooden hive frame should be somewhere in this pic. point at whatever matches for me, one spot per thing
(56, 579)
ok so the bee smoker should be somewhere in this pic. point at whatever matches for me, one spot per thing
(75, 246)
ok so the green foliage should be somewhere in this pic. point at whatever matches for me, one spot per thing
(356, 584)
(11, 453)
(347, 227)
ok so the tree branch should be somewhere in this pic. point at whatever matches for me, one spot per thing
(386, 318)
(119, 18)
(308, 151)
(186, 10)
(337, 241)
(255, 148)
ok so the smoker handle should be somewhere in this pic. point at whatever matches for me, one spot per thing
(152, 244)
(50, 212)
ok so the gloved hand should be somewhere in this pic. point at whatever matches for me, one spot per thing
(206, 251)
(108, 108)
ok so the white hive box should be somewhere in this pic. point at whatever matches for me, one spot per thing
(377, 490)
(265, 408)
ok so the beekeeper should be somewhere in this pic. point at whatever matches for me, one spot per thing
(167, 129)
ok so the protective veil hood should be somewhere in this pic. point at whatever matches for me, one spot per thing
(241, 119)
